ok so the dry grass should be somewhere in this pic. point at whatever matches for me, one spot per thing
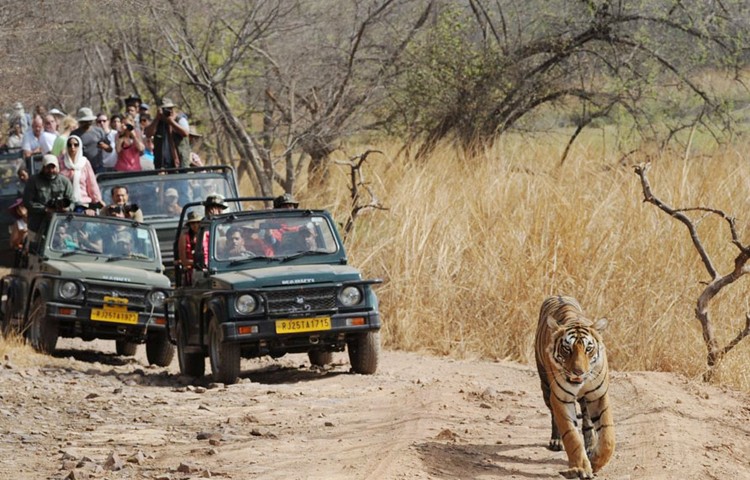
(470, 248)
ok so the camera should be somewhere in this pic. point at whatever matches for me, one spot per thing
(58, 203)
(129, 127)
(123, 208)
(166, 111)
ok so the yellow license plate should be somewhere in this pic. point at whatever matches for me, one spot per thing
(298, 325)
(114, 315)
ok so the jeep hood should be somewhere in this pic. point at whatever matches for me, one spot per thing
(110, 272)
(286, 275)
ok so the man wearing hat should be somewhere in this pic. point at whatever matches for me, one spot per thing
(186, 246)
(285, 201)
(170, 132)
(94, 139)
(213, 204)
(46, 192)
(19, 115)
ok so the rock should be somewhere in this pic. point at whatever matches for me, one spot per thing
(138, 458)
(114, 462)
(186, 467)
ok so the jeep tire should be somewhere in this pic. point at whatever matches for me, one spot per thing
(225, 357)
(192, 364)
(158, 349)
(320, 358)
(125, 348)
(11, 314)
(42, 331)
(364, 352)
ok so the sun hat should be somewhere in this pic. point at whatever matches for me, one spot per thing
(286, 199)
(18, 106)
(216, 200)
(166, 103)
(171, 192)
(85, 114)
(193, 217)
(56, 112)
(194, 132)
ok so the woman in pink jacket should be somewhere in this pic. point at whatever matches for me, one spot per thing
(78, 170)
(129, 146)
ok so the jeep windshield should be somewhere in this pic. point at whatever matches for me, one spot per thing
(103, 238)
(247, 240)
(162, 196)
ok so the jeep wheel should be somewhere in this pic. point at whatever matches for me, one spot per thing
(192, 364)
(11, 318)
(320, 358)
(225, 357)
(125, 348)
(364, 353)
(42, 330)
(158, 350)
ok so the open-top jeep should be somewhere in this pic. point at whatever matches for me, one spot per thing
(90, 277)
(271, 282)
(160, 195)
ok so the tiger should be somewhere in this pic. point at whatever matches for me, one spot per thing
(572, 365)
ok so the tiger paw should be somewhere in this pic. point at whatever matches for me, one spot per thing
(555, 445)
(578, 473)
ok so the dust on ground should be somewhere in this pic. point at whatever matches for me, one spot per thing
(88, 413)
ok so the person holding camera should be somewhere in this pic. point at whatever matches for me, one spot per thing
(95, 141)
(170, 132)
(46, 192)
(121, 207)
(129, 146)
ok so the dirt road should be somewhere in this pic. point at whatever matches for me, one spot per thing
(97, 415)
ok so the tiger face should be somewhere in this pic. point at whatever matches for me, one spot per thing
(576, 349)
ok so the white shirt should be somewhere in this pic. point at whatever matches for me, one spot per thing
(30, 142)
(47, 140)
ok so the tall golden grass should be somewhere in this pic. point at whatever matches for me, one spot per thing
(470, 247)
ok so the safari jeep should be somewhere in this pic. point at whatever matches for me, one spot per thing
(271, 282)
(92, 278)
(147, 190)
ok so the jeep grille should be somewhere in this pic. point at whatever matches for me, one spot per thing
(301, 300)
(136, 297)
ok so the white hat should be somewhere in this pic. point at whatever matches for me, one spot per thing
(85, 114)
(171, 192)
(57, 112)
(18, 106)
(50, 159)
(166, 103)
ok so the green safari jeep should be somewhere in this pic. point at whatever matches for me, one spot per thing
(271, 282)
(92, 278)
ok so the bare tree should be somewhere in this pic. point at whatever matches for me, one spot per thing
(717, 282)
(357, 183)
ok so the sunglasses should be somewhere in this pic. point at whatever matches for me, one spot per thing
(73, 145)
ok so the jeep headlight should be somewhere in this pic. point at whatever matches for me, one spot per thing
(69, 290)
(157, 298)
(350, 296)
(245, 304)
